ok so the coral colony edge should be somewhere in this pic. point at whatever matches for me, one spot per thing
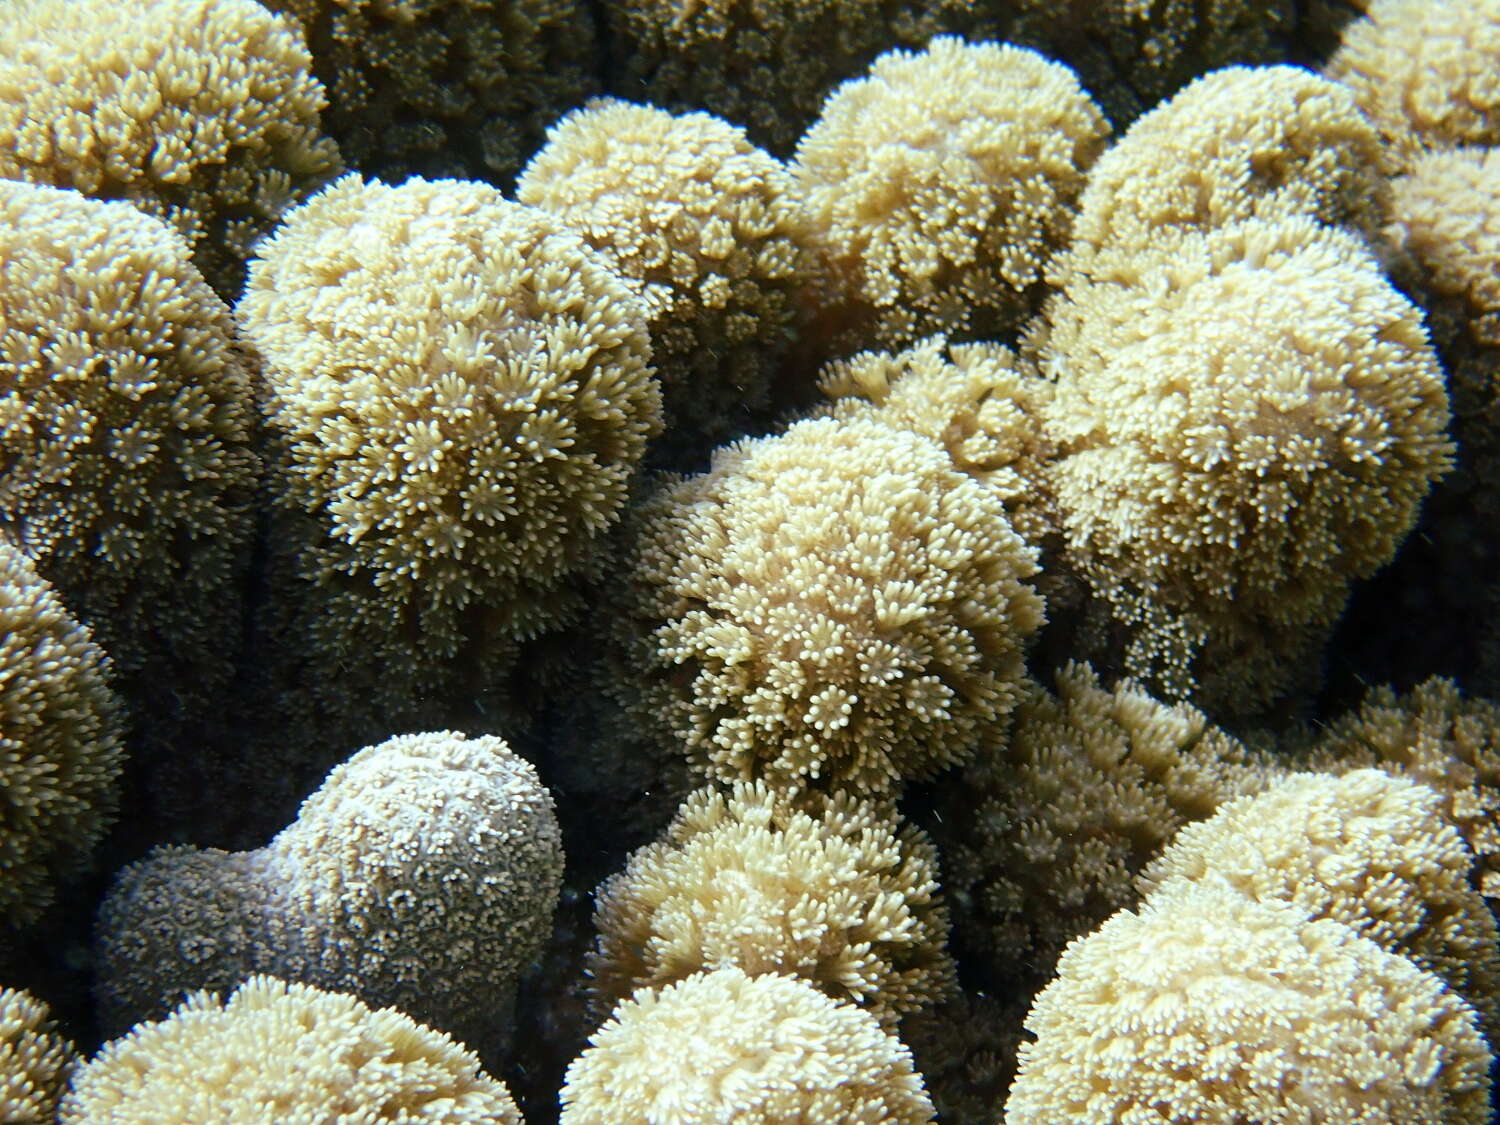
(784, 562)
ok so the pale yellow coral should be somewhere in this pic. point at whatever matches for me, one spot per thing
(1044, 833)
(1239, 143)
(708, 224)
(463, 392)
(756, 1050)
(836, 606)
(940, 185)
(35, 1061)
(202, 113)
(61, 750)
(834, 890)
(979, 401)
(1368, 849)
(288, 1053)
(423, 873)
(1246, 425)
(1210, 1007)
(1427, 72)
(446, 87)
(126, 423)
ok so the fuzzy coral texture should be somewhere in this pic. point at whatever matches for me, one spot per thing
(36, 1062)
(423, 873)
(445, 87)
(1211, 1007)
(757, 1050)
(940, 185)
(308, 1056)
(61, 744)
(849, 607)
(202, 113)
(835, 891)
(708, 224)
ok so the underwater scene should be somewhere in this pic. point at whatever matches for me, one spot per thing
(749, 562)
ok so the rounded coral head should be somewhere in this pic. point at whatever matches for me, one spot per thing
(463, 388)
(1207, 1006)
(289, 1053)
(764, 1050)
(941, 183)
(61, 749)
(833, 606)
(203, 113)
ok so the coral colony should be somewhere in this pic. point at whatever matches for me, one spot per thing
(833, 562)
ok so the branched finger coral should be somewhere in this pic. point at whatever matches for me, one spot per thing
(1246, 425)
(303, 1055)
(836, 606)
(1211, 1007)
(940, 185)
(202, 113)
(126, 425)
(755, 1050)
(61, 749)
(446, 87)
(462, 392)
(1368, 849)
(709, 225)
(833, 890)
(36, 1062)
(422, 874)
(1426, 72)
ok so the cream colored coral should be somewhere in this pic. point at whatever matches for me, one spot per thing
(202, 113)
(1044, 833)
(1427, 72)
(835, 890)
(125, 434)
(423, 874)
(446, 87)
(836, 606)
(941, 184)
(1368, 849)
(1210, 1007)
(708, 223)
(1246, 425)
(61, 745)
(756, 1050)
(979, 401)
(35, 1061)
(289, 1053)
(464, 392)
(1239, 143)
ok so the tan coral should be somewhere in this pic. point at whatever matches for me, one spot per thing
(979, 401)
(1367, 849)
(126, 424)
(303, 1055)
(61, 745)
(1044, 833)
(1427, 72)
(940, 185)
(836, 606)
(446, 87)
(36, 1062)
(834, 890)
(202, 113)
(423, 873)
(1247, 424)
(462, 391)
(755, 1050)
(1210, 1007)
(709, 224)
(1239, 143)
